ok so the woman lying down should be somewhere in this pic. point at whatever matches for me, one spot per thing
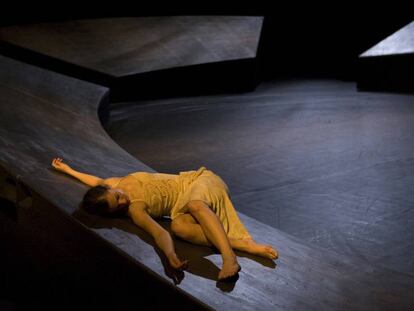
(197, 202)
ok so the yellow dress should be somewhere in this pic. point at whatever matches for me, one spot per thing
(168, 194)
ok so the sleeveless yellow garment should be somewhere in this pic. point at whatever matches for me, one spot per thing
(168, 194)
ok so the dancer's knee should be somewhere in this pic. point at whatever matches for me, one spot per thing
(180, 230)
(177, 227)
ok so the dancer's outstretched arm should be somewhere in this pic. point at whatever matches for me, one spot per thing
(90, 180)
(138, 212)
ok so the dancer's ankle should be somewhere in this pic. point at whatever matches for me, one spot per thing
(230, 256)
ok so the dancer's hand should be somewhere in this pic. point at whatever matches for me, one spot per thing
(176, 263)
(58, 164)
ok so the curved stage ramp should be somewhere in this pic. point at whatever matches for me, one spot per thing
(44, 114)
(142, 52)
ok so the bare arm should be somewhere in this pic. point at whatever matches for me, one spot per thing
(90, 180)
(139, 214)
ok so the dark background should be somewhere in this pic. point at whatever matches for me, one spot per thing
(298, 39)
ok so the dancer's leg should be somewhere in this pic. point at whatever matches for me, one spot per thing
(187, 228)
(214, 232)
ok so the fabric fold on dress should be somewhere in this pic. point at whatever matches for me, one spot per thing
(168, 195)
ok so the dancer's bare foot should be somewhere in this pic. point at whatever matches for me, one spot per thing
(229, 269)
(262, 250)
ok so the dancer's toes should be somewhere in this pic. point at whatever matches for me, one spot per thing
(271, 252)
(262, 250)
(265, 251)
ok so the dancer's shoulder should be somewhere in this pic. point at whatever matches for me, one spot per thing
(112, 182)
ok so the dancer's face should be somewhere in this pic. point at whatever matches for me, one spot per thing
(117, 199)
